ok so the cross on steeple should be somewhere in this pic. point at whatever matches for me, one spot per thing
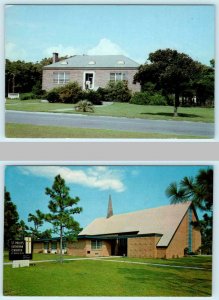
(110, 208)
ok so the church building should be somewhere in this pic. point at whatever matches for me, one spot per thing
(161, 232)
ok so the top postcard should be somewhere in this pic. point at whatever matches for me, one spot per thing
(110, 71)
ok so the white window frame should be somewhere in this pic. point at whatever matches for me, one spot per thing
(122, 74)
(98, 244)
(84, 76)
(64, 81)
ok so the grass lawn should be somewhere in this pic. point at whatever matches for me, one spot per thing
(13, 130)
(194, 114)
(102, 278)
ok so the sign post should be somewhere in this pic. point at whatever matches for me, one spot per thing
(20, 252)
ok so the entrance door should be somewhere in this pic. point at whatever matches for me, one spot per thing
(89, 81)
(122, 247)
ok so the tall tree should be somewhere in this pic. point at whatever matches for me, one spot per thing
(11, 220)
(199, 190)
(23, 230)
(61, 206)
(170, 71)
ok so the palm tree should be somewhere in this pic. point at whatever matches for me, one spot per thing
(84, 106)
(199, 191)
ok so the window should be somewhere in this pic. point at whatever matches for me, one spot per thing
(96, 245)
(61, 77)
(54, 245)
(46, 245)
(117, 76)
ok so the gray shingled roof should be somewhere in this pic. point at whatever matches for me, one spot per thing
(161, 220)
(95, 61)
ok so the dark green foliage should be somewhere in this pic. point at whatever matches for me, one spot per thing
(92, 96)
(28, 96)
(11, 220)
(70, 93)
(53, 96)
(199, 190)
(102, 93)
(61, 206)
(37, 220)
(117, 91)
(204, 87)
(170, 71)
(147, 98)
(25, 77)
(23, 230)
(21, 76)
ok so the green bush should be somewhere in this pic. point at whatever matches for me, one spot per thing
(146, 98)
(92, 96)
(53, 96)
(28, 96)
(117, 91)
(70, 93)
(102, 94)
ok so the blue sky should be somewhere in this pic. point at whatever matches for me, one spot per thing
(33, 32)
(132, 188)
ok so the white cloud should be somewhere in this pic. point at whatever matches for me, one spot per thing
(102, 178)
(13, 52)
(61, 50)
(106, 47)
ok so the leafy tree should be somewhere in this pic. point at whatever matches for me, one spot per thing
(199, 190)
(84, 106)
(170, 71)
(204, 85)
(11, 220)
(62, 211)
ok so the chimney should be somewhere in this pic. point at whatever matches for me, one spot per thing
(110, 208)
(55, 57)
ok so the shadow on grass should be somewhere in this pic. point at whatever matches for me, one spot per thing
(167, 281)
(171, 115)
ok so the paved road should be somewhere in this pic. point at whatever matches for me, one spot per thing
(114, 123)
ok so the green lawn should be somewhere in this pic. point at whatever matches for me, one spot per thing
(194, 114)
(102, 278)
(13, 130)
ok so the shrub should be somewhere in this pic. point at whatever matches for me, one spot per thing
(27, 96)
(37, 89)
(102, 94)
(53, 96)
(84, 106)
(157, 99)
(146, 98)
(92, 96)
(70, 93)
(117, 91)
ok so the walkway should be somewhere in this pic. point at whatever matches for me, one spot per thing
(119, 261)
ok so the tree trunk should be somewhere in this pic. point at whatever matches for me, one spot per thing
(176, 104)
(61, 232)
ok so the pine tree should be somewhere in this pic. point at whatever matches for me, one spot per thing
(11, 218)
(62, 211)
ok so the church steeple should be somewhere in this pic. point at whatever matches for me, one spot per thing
(110, 208)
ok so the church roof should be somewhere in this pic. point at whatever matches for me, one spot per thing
(161, 220)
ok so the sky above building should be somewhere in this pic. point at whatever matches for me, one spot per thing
(33, 32)
(131, 187)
